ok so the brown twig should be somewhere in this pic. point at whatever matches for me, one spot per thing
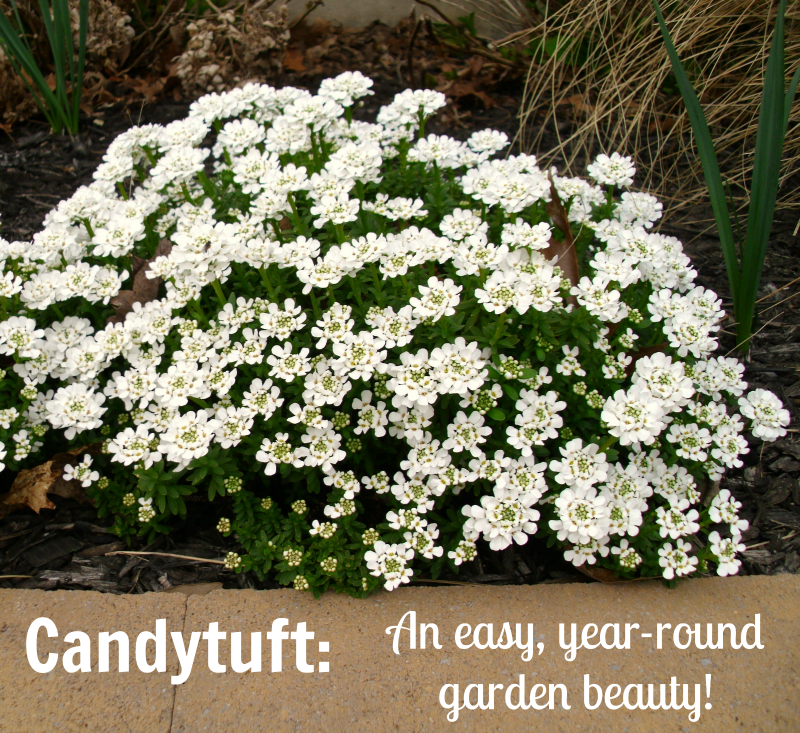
(167, 554)
(474, 47)
(309, 9)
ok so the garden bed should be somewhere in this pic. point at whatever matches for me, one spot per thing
(66, 547)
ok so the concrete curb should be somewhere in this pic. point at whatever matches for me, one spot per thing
(369, 686)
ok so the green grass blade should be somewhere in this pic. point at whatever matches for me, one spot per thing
(57, 46)
(77, 82)
(22, 35)
(21, 58)
(708, 158)
(766, 171)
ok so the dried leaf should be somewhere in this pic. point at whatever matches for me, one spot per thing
(144, 288)
(562, 253)
(604, 575)
(293, 60)
(31, 486)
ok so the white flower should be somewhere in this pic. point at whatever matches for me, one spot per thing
(674, 523)
(413, 490)
(624, 517)
(522, 234)
(462, 223)
(628, 557)
(135, 446)
(188, 437)
(634, 416)
(370, 417)
(503, 518)
(333, 325)
(275, 452)
(582, 516)
(321, 448)
(426, 458)
(19, 335)
(724, 551)
(146, 511)
(82, 472)
(769, 418)
(439, 298)
(725, 509)
(410, 423)
(338, 209)
(412, 381)
(666, 380)
(287, 365)
(234, 424)
(677, 561)
(358, 355)
(615, 170)
(263, 398)
(395, 329)
(345, 481)
(323, 387)
(692, 441)
(423, 542)
(459, 367)
(537, 421)
(465, 552)
(466, 433)
(580, 466)
(76, 408)
(390, 561)
(346, 88)
(569, 364)
(585, 553)
(729, 446)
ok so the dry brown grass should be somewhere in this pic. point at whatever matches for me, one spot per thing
(618, 94)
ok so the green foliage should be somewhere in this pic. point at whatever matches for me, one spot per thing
(744, 255)
(60, 105)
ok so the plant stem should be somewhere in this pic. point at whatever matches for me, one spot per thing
(607, 443)
(220, 295)
(499, 330)
(267, 283)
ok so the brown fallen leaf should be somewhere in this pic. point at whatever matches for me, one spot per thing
(144, 290)
(562, 253)
(293, 60)
(32, 485)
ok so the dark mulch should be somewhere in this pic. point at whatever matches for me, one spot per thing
(67, 547)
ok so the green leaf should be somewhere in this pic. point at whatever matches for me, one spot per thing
(764, 185)
(510, 391)
(497, 414)
(705, 148)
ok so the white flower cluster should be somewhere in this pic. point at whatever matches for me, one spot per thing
(347, 284)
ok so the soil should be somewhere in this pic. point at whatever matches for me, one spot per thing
(67, 547)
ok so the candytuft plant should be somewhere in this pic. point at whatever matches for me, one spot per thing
(381, 347)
